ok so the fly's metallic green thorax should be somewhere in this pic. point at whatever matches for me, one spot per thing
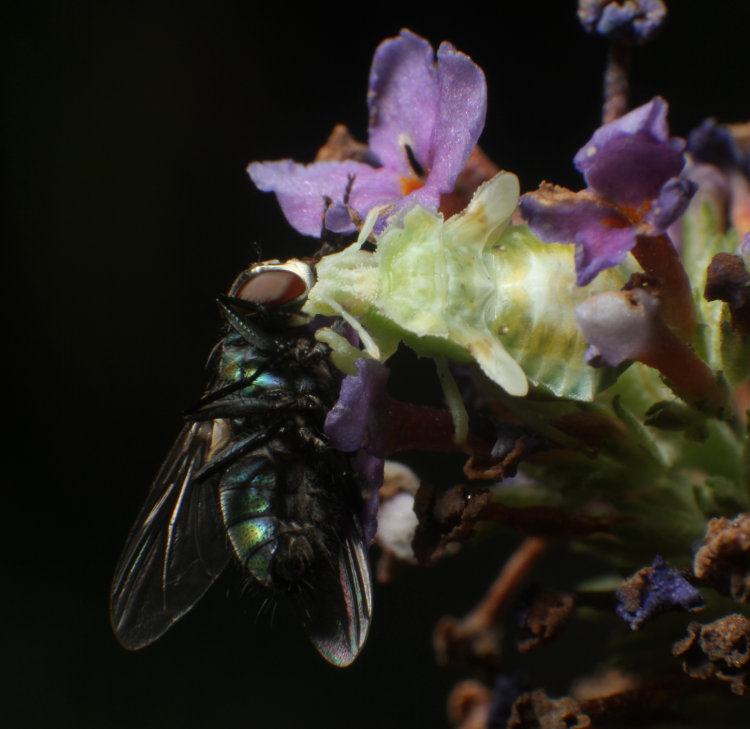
(252, 479)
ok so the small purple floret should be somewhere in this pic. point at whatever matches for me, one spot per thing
(358, 418)
(357, 425)
(643, 17)
(654, 590)
(435, 111)
(672, 201)
(628, 160)
(631, 167)
(713, 143)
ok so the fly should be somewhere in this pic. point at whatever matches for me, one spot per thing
(252, 478)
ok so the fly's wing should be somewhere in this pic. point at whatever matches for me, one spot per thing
(177, 547)
(337, 619)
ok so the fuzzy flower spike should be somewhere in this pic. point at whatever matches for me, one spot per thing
(631, 167)
(425, 119)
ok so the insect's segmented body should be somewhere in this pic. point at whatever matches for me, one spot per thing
(252, 475)
(469, 288)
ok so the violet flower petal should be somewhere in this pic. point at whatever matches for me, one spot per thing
(437, 110)
(673, 200)
(403, 101)
(654, 590)
(301, 189)
(602, 234)
(713, 143)
(460, 119)
(339, 218)
(356, 424)
(628, 160)
(358, 419)
(376, 187)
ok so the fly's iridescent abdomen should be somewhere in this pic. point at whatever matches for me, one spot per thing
(252, 478)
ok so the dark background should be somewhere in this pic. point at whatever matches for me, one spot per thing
(126, 131)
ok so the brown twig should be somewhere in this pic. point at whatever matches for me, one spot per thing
(616, 78)
(659, 260)
(547, 522)
(475, 639)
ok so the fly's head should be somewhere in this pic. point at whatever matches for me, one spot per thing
(274, 289)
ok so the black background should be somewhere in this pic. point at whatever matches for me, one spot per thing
(126, 130)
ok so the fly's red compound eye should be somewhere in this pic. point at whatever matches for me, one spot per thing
(275, 284)
(272, 288)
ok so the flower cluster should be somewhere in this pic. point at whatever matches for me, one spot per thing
(631, 167)
(593, 347)
(425, 119)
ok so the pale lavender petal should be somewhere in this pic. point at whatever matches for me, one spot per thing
(375, 187)
(462, 109)
(674, 198)
(301, 189)
(628, 160)
(745, 249)
(603, 236)
(403, 100)
(599, 248)
(620, 325)
(370, 188)
(358, 419)
(339, 218)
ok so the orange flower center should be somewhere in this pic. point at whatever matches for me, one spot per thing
(409, 184)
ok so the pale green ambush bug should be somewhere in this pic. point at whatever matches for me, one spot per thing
(469, 289)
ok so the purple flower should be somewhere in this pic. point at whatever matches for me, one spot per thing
(643, 17)
(714, 144)
(631, 167)
(425, 119)
(357, 424)
(654, 590)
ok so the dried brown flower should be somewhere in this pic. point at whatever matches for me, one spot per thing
(341, 145)
(546, 616)
(469, 705)
(605, 682)
(723, 559)
(536, 710)
(510, 449)
(720, 649)
(444, 517)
